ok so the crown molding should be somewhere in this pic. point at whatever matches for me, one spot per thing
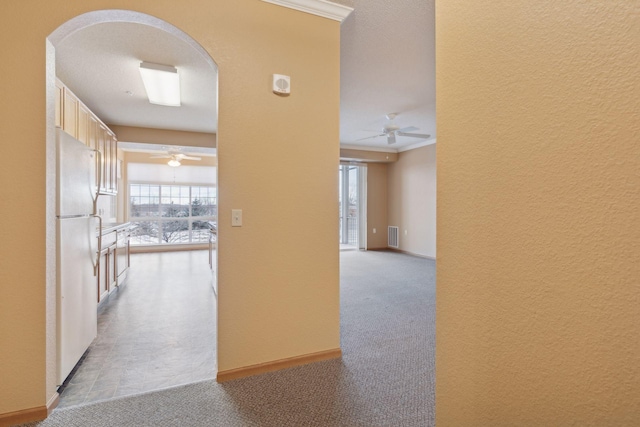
(388, 149)
(367, 148)
(323, 8)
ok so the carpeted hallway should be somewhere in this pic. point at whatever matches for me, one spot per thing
(386, 376)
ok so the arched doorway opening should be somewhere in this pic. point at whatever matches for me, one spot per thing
(57, 39)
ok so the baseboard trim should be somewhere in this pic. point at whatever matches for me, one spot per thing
(53, 403)
(29, 415)
(277, 365)
(402, 252)
(414, 254)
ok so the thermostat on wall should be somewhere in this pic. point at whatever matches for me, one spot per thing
(281, 84)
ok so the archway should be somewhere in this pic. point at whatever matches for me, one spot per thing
(55, 39)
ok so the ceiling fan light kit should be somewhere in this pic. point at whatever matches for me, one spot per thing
(175, 158)
(162, 83)
(391, 130)
(391, 138)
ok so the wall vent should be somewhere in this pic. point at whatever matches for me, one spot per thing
(392, 237)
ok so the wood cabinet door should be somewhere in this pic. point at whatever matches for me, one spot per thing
(114, 148)
(113, 151)
(103, 275)
(123, 250)
(113, 273)
(92, 131)
(77, 120)
(70, 113)
(83, 123)
(103, 148)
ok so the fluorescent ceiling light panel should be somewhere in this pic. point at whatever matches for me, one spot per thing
(162, 83)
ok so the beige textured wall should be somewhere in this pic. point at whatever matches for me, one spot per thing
(376, 205)
(278, 294)
(412, 200)
(164, 136)
(538, 213)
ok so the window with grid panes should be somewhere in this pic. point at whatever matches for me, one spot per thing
(171, 214)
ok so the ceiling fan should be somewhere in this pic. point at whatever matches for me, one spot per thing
(175, 157)
(391, 130)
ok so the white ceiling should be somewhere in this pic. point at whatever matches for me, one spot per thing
(100, 65)
(387, 66)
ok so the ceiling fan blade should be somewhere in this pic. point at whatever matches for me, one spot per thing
(160, 156)
(370, 137)
(407, 129)
(190, 158)
(391, 138)
(414, 135)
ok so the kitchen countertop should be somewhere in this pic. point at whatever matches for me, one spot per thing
(108, 227)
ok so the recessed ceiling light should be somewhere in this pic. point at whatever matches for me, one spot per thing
(162, 83)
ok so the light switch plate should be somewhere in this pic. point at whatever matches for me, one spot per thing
(236, 217)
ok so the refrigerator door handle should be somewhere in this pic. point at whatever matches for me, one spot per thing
(97, 263)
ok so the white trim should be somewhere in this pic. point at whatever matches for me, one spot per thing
(418, 145)
(323, 8)
(411, 253)
(366, 148)
(389, 150)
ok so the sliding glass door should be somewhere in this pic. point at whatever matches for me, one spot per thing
(352, 206)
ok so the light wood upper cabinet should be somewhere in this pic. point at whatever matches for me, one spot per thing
(100, 144)
(92, 130)
(104, 147)
(114, 163)
(70, 113)
(77, 120)
(108, 148)
(83, 123)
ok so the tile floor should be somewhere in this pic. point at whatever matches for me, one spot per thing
(157, 331)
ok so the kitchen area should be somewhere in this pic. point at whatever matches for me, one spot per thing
(136, 304)
(92, 251)
(75, 119)
(123, 330)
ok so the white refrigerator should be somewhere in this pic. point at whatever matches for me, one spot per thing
(77, 251)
